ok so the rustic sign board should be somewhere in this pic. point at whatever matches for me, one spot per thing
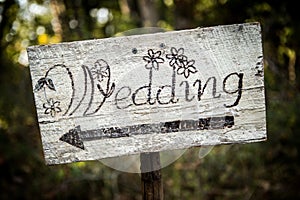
(148, 93)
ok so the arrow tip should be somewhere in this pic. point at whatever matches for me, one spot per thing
(72, 137)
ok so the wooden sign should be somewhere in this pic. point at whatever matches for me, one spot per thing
(148, 93)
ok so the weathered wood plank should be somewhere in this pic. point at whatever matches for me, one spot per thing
(148, 93)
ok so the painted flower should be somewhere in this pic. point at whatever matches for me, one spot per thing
(153, 59)
(52, 107)
(187, 68)
(176, 57)
(100, 70)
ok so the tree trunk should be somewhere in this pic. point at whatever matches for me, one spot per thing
(184, 13)
(148, 12)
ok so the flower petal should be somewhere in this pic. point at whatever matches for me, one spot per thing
(148, 65)
(182, 57)
(155, 65)
(94, 72)
(159, 60)
(180, 51)
(51, 102)
(181, 63)
(174, 51)
(192, 69)
(104, 68)
(157, 54)
(150, 53)
(48, 110)
(100, 77)
(105, 73)
(170, 56)
(97, 65)
(186, 73)
(93, 69)
(180, 70)
(56, 104)
(46, 105)
(147, 58)
(191, 62)
(57, 109)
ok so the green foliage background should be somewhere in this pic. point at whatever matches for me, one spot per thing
(268, 170)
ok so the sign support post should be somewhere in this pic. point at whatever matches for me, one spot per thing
(152, 187)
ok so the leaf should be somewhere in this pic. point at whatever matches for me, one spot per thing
(50, 84)
(39, 85)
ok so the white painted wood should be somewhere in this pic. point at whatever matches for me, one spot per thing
(85, 92)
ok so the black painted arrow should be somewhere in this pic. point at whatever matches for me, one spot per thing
(76, 136)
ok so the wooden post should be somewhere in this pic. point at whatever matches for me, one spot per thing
(152, 187)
